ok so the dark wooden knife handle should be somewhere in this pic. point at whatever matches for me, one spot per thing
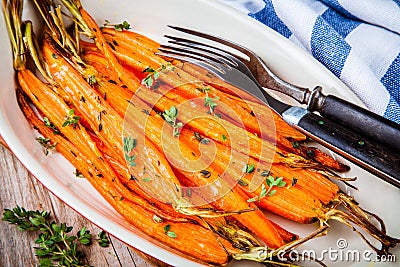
(367, 123)
(367, 153)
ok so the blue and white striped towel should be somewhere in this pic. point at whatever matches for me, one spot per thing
(358, 40)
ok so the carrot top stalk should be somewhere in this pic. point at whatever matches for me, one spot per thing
(180, 231)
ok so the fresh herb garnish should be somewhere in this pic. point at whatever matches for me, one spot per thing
(48, 146)
(71, 119)
(224, 138)
(50, 125)
(118, 27)
(157, 219)
(242, 183)
(210, 103)
(103, 240)
(91, 79)
(271, 183)
(249, 168)
(204, 89)
(170, 116)
(55, 244)
(122, 26)
(169, 232)
(295, 144)
(129, 144)
(153, 74)
(201, 139)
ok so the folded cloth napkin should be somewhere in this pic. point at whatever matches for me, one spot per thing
(357, 40)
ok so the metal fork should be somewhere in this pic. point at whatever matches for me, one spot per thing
(349, 115)
(364, 152)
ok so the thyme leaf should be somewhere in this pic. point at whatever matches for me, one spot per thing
(168, 232)
(249, 168)
(91, 79)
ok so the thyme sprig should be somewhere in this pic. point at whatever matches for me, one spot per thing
(153, 75)
(55, 244)
(171, 117)
(50, 125)
(46, 144)
(210, 102)
(130, 144)
(271, 183)
(71, 119)
(118, 27)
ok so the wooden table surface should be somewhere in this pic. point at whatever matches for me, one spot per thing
(16, 247)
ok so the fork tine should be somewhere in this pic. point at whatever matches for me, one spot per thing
(256, 67)
(184, 48)
(205, 47)
(214, 38)
(189, 57)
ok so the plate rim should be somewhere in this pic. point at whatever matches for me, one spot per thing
(28, 161)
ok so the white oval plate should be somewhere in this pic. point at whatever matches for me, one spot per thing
(285, 58)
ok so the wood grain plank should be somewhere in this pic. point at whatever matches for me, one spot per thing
(16, 247)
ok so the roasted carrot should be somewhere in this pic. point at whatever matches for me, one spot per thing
(313, 186)
(131, 37)
(248, 115)
(128, 55)
(205, 245)
(320, 157)
(104, 91)
(215, 130)
(268, 230)
(108, 125)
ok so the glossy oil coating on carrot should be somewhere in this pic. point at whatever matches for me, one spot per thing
(189, 161)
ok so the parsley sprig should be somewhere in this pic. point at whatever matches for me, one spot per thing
(271, 183)
(171, 116)
(55, 244)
